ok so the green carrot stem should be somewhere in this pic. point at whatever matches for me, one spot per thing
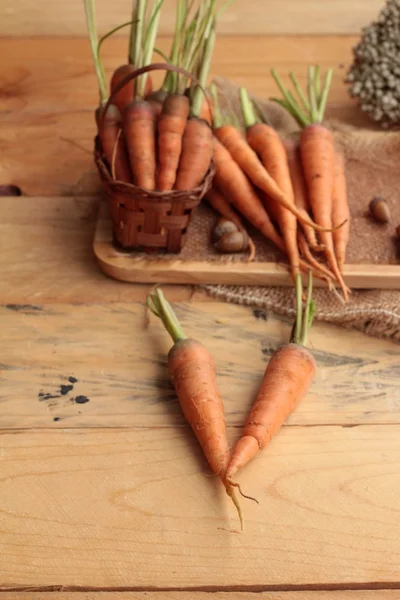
(308, 312)
(151, 34)
(324, 95)
(162, 54)
(89, 6)
(300, 92)
(170, 84)
(198, 94)
(311, 94)
(218, 120)
(318, 83)
(161, 308)
(249, 116)
(110, 33)
(296, 111)
(299, 309)
(138, 14)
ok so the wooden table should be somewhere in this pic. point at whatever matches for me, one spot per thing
(104, 495)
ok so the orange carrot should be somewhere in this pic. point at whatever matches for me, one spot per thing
(139, 127)
(286, 380)
(156, 99)
(196, 155)
(223, 207)
(126, 94)
(112, 144)
(265, 141)
(248, 161)
(340, 210)
(317, 150)
(234, 184)
(300, 191)
(171, 126)
(192, 371)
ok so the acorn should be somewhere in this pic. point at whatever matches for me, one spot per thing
(232, 242)
(223, 226)
(379, 209)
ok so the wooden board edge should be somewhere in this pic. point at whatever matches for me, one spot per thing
(120, 266)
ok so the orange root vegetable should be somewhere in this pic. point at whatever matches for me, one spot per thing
(156, 99)
(196, 155)
(235, 186)
(308, 256)
(193, 374)
(249, 163)
(267, 144)
(171, 126)
(139, 128)
(109, 126)
(223, 207)
(286, 380)
(300, 192)
(317, 149)
(126, 95)
(340, 210)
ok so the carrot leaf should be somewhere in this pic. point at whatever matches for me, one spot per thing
(299, 309)
(309, 312)
(89, 6)
(110, 33)
(249, 115)
(149, 41)
(324, 95)
(161, 308)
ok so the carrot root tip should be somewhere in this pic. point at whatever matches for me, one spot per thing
(237, 485)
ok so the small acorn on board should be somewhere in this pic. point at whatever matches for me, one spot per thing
(379, 210)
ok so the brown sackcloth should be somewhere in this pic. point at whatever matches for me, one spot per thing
(372, 168)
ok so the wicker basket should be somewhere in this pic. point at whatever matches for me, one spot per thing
(149, 220)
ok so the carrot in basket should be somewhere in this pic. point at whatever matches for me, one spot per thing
(286, 380)
(340, 210)
(192, 371)
(223, 207)
(300, 191)
(171, 126)
(138, 126)
(109, 127)
(127, 93)
(317, 150)
(267, 144)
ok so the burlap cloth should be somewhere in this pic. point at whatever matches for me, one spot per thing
(373, 168)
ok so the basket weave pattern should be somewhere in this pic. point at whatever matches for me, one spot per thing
(146, 219)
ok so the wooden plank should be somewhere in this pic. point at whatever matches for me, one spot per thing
(106, 508)
(131, 267)
(122, 378)
(47, 124)
(46, 255)
(182, 595)
(250, 17)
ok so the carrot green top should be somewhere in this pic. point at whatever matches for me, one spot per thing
(161, 308)
(304, 318)
(307, 108)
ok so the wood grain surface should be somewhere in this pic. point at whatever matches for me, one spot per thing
(308, 595)
(47, 123)
(137, 507)
(121, 371)
(245, 16)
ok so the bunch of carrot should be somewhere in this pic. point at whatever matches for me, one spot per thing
(274, 185)
(159, 140)
(286, 380)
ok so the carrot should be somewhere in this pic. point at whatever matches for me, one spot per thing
(156, 99)
(267, 144)
(317, 150)
(126, 94)
(139, 127)
(340, 210)
(171, 126)
(192, 371)
(308, 256)
(111, 143)
(286, 380)
(223, 207)
(196, 154)
(233, 183)
(300, 191)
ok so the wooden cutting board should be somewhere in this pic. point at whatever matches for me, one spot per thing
(136, 267)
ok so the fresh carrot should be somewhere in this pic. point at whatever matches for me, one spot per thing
(340, 210)
(286, 380)
(126, 94)
(171, 127)
(268, 146)
(317, 150)
(156, 99)
(138, 126)
(112, 144)
(223, 207)
(193, 374)
(233, 183)
(300, 191)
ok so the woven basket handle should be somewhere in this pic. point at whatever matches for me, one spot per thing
(147, 69)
